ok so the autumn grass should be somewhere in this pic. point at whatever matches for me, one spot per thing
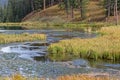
(10, 38)
(66, 77)
(106, 46)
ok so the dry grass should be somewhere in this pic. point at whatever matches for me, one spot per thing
(67, 77)
(16, 77)
(10, 38)
(82, 77)
(105, 47)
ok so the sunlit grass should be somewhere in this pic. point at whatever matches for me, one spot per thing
(10, 38)
(67, 77)
(16, 77)
(82, 77)
(106, 46)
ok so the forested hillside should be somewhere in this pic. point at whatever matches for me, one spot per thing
(57, 13)
(3, 2)
(16, 10)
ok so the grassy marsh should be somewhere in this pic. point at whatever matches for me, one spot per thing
(106, 46)
(10, 38)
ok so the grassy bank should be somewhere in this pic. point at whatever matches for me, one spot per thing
(49, 25)
(106, 46)
(67, 77)
(10, 38)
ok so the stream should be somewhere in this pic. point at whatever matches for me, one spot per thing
(29, 58)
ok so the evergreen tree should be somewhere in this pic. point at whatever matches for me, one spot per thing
(1, 14)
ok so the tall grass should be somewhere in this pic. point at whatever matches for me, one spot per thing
(10, 38)
(67, 77)
(107, 46)
(82, 77)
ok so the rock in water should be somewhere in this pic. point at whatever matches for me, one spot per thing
(80, 63)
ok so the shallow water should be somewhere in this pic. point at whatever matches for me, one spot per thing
(39, 48)
(29, 58)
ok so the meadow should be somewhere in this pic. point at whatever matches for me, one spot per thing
(105, 46)
(11, 38)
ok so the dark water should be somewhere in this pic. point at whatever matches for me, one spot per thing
(29, 58)
(12, 28)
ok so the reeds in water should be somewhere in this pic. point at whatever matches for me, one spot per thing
(10, 38)
(107, 46)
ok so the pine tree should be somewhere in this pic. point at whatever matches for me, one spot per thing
(1, 14)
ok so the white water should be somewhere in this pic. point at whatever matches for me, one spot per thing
(23, 51)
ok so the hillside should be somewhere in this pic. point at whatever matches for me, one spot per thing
(95, 12)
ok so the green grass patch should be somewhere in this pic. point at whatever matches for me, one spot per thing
(107, 47)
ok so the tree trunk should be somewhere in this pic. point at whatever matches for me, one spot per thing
(44, 4)
(79, 6)
(32, 6)
(72, 12)
(116, 11)
(82, 10)
(109, 9)
(67, 7)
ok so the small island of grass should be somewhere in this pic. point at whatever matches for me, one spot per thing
(107, 46)
(11, 38)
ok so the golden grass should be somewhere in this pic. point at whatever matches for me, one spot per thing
(67, 77)
(16, 77)
(82, 77)
(10, 38)
(106, 46)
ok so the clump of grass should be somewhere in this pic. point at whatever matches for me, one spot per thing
(10, 38)
(106, 46)
(20, 77)
(16, 77)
